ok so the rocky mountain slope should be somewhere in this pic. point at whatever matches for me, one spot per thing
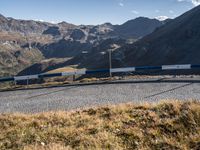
(24, 43)
(177, 42)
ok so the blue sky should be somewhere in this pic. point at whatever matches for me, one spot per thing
(93, 11)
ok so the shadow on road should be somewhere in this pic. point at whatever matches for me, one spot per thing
(166, 91)
(48, 93)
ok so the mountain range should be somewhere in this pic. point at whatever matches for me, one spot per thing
(30, 47)
(177, 41)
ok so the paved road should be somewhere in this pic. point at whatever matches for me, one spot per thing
(75, 97)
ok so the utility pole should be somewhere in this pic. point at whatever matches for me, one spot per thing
(110, 61)
(15, 83)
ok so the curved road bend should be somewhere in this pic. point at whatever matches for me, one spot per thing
(75, 97)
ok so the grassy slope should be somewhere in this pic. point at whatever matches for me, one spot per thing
(174, 125)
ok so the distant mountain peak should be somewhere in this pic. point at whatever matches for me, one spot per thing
(108, 24)
(138, 27)
(66, 24)
(63, 23)
(139, 18)
(2, 17)
(162, 18)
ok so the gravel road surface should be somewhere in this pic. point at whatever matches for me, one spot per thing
(75, 97)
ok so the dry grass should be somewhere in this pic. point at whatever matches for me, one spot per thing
(56, 81)
(174, 125)
(64, 69)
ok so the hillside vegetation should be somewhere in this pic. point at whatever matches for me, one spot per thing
(172, 125)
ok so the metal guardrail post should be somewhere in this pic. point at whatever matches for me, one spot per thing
(27, 82)
(74, 77)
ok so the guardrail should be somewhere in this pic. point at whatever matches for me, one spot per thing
(113, 70)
